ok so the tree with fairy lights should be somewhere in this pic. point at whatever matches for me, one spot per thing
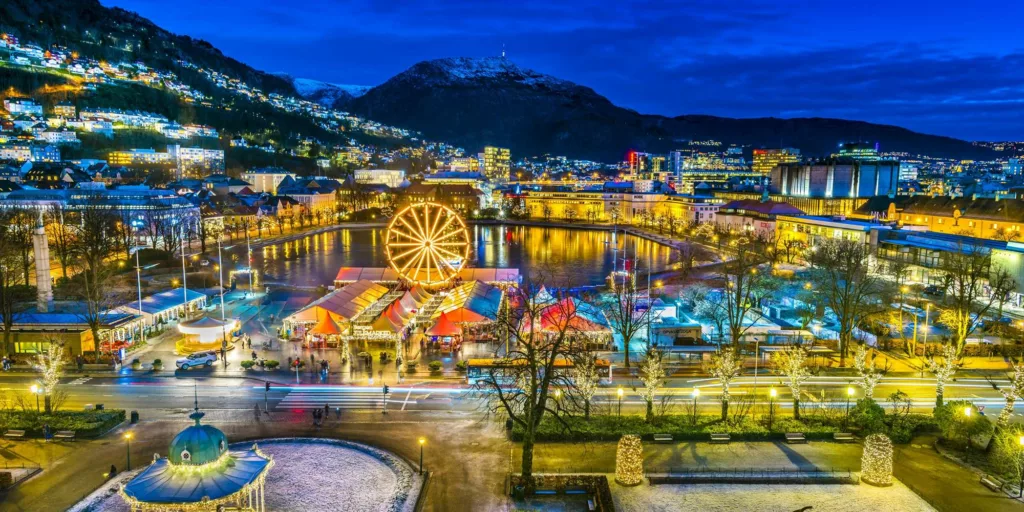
(944, 368)
(876, 463)
(790, 362)
(629, 460)
(1011, 394)
(869, 372)
(51, 366)
(586, 378)
(652, 374)
(725, 367)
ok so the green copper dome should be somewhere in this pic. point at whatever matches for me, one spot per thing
(198, 444)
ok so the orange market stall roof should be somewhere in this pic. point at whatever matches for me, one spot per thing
(413, 301)
(326, 327)
(443, 327)
(393, 319)
(343, 304)
(471, 302)
(388, 275)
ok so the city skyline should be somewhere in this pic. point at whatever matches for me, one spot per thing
(933, 68)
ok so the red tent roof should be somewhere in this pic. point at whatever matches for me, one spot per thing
(326, 327)
(444, 327)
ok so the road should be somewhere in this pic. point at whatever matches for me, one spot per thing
(179, 393)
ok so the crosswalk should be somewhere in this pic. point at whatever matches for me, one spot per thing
(345, 398)
(79, 381)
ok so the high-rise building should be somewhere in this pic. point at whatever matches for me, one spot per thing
(836, 178)
(858, 150)
(496, 163)
(766, 159)
(1014, 167)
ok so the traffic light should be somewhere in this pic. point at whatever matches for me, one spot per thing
(386, 389)
(268, 387)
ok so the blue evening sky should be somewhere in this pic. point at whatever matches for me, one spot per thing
(941, 66)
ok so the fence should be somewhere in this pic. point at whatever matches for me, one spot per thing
(750, 476)
(20, 471)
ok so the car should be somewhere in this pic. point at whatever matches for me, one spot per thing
(933, 289)
(197, 359)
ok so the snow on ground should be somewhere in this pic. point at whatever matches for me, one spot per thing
(317, 474)
(765, 498)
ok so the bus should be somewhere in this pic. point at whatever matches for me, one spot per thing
(477, 369)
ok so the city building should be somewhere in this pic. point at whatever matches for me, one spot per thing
(266, 179)
(812, 230)
(463, 198)
(19, 106)
(496, 163)
(836, 178)
(1014, 167)
(65, 109)
(389, 177)
(756, 217)
(464, 164)
(316, 195)
(984, 218)
(766, 159)
(188, 161)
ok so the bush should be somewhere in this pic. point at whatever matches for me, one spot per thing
(84, 423)
(461, 366)
(158, 364)
(411, 366)
(248, 364)
(868, 417)
(680, 426)
(435, 366)
(956, 426)
(271, 364)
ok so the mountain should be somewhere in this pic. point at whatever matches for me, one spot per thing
(479, 101)
(117, 35)
(336, 96)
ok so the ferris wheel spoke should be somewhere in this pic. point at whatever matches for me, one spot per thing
(406, 253)
(449, 235)
(446, 264)
(419, 225)
(451, 218)
(418, 258)
(446, 251)
(415, 234)
(433, 227)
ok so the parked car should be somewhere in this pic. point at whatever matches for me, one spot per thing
(197, 359)
(933, 289)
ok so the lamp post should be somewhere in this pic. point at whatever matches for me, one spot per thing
(138, 280)
(619, 392)
(696, 395)
(423, 441)
(771, 406)
(128, 448)
(34, 388)
(849, 394)
(968, 410)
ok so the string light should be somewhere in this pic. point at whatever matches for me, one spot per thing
(629, 460)
(876, 464)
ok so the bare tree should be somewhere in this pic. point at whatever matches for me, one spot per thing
(965, 274)
(12, 295)
(1011, 394)
(869, 373)
(652, 374)
(95, 242)
(542, 336)
(61, 236)
(725, 367)
(790, 362)
(627, 319)
(586, 378)
(745, 286)
(845, 282)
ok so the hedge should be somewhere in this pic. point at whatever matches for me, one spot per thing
(84, 423)
(681, 428)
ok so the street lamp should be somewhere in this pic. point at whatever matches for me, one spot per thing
(128, 448)
(423, 441)
(967, 417)
(771, 406)
(619, 392)
(34, 388)
(696, 395)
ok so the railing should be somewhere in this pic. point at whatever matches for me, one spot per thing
(749, 475)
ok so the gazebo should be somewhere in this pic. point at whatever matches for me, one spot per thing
(204, 333)
(200, 473)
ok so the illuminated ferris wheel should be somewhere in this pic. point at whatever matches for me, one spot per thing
(427, 244)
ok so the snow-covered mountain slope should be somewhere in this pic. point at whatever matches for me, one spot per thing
(325, 93)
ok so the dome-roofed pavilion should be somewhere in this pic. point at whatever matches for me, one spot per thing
(200, 473)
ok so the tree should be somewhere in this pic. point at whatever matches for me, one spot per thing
(944, 368)
(540, 336)
(546, 211)
(570, 215)
(725, 367)
(627, 319)
(745, 285)
(586, 378)
(61, 237)
(51, 367)
(790, 363)
(12, 295)
(95, 242)
(844, 280)
(689, 254)
(652, 374)
(869, 373)
(965, 273)
(1011, 394)
(21, 223)
(956, 424)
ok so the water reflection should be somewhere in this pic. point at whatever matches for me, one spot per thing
(582, 257)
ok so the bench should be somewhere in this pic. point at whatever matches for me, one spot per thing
(721, 438)
(994, 484)
(662, 438)
(843, 437)
(14, 434)
(795, 437)
(65, 434)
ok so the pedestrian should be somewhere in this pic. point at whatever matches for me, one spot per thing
(289, 361)
(113, 471)
(327, 410)
(312, 359)
(253, 355)
(314, 416)
(337, 412)
(257, 411)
